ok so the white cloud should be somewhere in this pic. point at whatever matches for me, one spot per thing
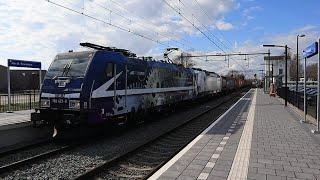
(222, 25)
(304, 29)
(219, 65)
(37, 30)
(311, 32)
(251, 9)
(247, 13)
(290, 39)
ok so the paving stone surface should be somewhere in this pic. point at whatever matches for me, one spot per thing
(15, 117)
(212, 156)
(281, 148)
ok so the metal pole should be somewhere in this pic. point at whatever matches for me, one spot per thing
(297, 75)
(286, 78)
(40, 83)
(272, 73)
(9, 90)
(318, 96)
(40, 80)
(269, 70)
(265, 83)
(305, 87)
(126, 87)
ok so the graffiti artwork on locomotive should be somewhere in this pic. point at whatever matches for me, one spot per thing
(110, 84)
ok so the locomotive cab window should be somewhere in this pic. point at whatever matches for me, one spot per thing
(109, 70)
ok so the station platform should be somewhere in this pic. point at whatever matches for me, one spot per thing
(257, 138)
(15, 119)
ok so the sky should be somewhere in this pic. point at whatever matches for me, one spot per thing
(39, 29)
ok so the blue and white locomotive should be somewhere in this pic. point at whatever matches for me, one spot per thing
(110, 84)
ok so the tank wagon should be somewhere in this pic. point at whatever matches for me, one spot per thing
(207, 83)
(113, 85)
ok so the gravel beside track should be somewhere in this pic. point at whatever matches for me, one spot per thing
(83, 158)
(19, 155)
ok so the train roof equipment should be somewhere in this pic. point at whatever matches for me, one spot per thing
(125, 52)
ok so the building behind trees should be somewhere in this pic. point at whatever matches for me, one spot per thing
(21, 80)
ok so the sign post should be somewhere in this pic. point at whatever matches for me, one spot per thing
(20, 63)
(318, 95)
(305, 92)
(310, 51)
(9, 91)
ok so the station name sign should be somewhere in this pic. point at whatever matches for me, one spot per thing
(311, 50)
(21, 63)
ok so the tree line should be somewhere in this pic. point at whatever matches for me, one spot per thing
(312, 69)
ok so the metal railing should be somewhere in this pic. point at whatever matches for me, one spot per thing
(19, 101)
(298, 101)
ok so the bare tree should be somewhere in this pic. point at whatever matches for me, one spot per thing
(293, 68)
(312, 71)
(236, 74)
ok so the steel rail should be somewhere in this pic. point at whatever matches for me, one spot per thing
(33, 159)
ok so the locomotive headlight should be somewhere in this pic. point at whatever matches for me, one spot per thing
(45, 103)
(74, 104)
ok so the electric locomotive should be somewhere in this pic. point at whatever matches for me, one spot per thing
(108, 84)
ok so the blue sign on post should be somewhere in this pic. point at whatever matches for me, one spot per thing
(21, 63)
(311, 50)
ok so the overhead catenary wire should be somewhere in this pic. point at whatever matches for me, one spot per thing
(197, 28)
(179, 11)
(142, 25)
(207, 15)
(117, 26)
(141, 17)
(246, 57)
(204, 26)
(243, 68)
(125, 29)
(122, 16)
(107, 23)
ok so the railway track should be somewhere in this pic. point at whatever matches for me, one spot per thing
(23, 146)
(137, 162)
(33, 153)
(142, 162)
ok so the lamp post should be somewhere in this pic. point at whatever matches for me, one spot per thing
(269, 61)
(286, 73)
(304, 91)
(267, 73)
(286, 78)
(297, 75)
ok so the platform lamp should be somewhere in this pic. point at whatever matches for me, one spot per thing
(286, 73)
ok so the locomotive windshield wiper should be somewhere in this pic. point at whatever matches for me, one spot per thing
(66, 69)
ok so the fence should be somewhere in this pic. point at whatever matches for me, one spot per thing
(297, 100)
(19, 101)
